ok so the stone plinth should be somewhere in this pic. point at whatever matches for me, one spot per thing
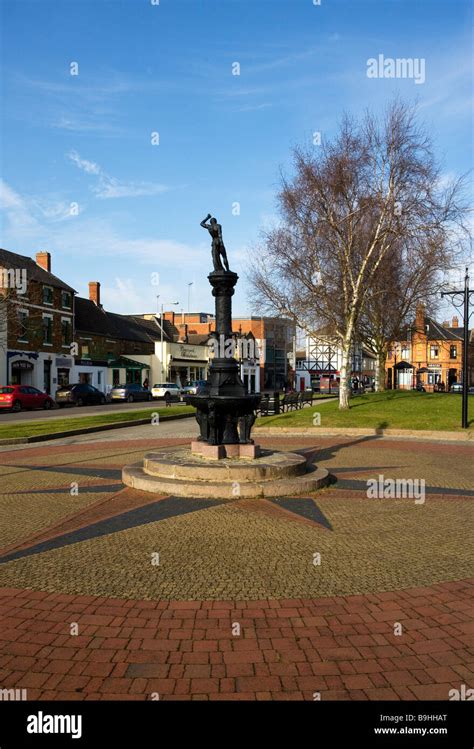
(183, 474)
(219, 452)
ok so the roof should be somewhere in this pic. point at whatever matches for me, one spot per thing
(34, 271)
(437, 332)
(198, 339)
(93, 319)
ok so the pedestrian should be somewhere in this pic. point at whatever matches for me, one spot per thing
(145, 383)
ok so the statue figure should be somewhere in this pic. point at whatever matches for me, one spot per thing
(218, 248)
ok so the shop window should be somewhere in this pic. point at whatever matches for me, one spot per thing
(63, 377)
(47, 295)
(116, 377)
(47, 329)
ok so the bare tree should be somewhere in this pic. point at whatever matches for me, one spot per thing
(408, 275)
(374, 188)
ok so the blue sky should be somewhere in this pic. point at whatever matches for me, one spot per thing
(223, 138)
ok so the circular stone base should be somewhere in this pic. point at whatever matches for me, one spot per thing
(183, 474)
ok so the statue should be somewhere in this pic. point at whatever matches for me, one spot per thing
(218, 248)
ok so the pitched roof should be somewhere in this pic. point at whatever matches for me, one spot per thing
(437, 332)
(93, 319)
(34, 271)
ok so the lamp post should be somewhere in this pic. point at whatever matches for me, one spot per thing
(463, 298)
(189, 292)
(161, 340)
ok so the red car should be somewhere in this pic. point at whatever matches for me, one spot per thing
(16, 397)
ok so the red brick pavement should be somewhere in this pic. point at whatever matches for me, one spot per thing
(342, 647)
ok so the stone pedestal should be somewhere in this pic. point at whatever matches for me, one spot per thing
(219, 452)
(180, 473)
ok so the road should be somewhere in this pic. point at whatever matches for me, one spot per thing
(61, 413)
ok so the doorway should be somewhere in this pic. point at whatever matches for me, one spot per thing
(47, 376)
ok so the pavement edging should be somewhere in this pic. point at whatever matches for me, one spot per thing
(86, 430)
(464, 436)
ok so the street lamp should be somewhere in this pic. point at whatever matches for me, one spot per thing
(460, 298)
(161, 339)
(189, 292)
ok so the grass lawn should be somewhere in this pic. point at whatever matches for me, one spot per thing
(392, 409)
(51, 426)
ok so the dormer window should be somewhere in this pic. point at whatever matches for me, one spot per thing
(48, 295)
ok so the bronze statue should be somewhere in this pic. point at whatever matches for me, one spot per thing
(218, 247)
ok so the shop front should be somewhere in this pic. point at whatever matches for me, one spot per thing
(185, 363)
(124, 371)
(91, 372)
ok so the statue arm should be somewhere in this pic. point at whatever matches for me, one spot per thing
(203, 222)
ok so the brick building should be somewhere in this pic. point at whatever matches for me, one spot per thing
(36, 322)
(263, 345)
(429, 353)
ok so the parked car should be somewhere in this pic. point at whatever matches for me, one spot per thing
(16, 397)
(130, 392)
(192, 387)
(456, 387)
(79, 394)
(168, 391)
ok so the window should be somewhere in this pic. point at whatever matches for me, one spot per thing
(99, 378)
(405, 352)
(66, 334)
(66, 299)
(23, 325)
(434, 352)
(47, 329)
(85, 351)
(453, 352)
(47, 295)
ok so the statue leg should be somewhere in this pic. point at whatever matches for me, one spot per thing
(216, 258)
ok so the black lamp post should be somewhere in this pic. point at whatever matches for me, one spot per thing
(463, 296)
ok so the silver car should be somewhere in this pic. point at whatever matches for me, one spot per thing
(130, 393)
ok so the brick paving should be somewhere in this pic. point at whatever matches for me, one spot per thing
(342, 647)
(170, 631)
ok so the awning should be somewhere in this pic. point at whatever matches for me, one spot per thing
(423, 370)
(404, 365)
(123, 362)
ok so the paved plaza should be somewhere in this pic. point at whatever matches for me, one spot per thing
(330, 594)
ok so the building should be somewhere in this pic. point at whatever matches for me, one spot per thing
(322, 357)
(110, 347)
(429, 353)
(262, 345)
(36, 323)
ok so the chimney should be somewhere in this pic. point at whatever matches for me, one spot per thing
(420, 318)
(455, 323)
(94, 292)
(43, 259)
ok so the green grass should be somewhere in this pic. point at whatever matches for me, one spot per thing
(389, 410)
(51, 426)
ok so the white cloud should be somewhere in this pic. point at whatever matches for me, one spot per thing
(90, 167)
(110, 187)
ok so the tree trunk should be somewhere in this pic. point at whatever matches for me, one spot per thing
(344, 376)
(380, 371)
